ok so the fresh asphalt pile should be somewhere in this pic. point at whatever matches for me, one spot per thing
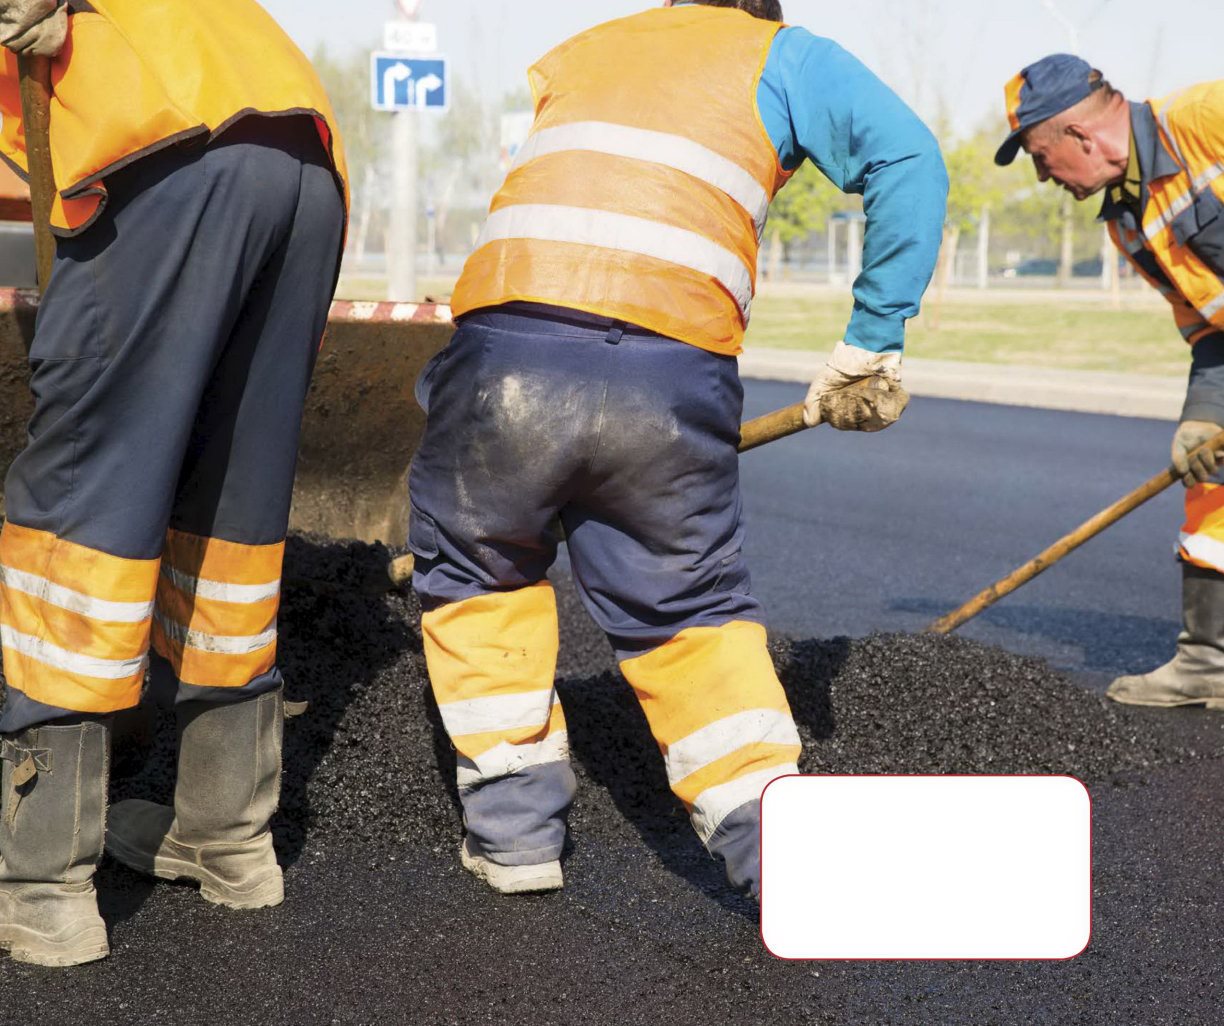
(381, 925)
(370, 763)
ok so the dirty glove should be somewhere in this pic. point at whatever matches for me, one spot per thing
(35, 28)
(1190, 435)
(830, 400)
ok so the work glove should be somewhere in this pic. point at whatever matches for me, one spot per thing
(35, 28)
(1190, 435)
(872, 405)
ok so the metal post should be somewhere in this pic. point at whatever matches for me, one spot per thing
(984, 249)
(401, 243)
(832, 251)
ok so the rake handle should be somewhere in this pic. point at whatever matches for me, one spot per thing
(1066, 544)
(35, 75)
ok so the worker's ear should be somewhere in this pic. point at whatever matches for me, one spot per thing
(1081, 136)
(667, 3)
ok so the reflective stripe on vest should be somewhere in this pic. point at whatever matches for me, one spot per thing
(672, 151)
(586, 227)
(1198, 283)
(642, 191)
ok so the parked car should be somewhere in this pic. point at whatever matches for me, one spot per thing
(1032, 267)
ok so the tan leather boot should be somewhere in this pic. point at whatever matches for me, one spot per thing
(52, 816)
(1195, 675)
(229, 770)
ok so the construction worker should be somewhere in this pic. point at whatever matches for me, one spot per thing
(1160, 165)
(593, 377)
(199, 222)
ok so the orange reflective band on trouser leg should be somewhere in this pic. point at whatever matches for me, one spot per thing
(1202, 536)
(215, 621)
(720, 716)
(74, 621)
(492, 661)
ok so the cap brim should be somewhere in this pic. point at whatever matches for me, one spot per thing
(1011, 146)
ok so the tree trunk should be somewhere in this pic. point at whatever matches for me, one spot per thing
(773, 266)
(947, 262)
(1067, 255)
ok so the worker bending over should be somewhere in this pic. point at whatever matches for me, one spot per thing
(198, 244)
(593, 377)
(1161, 167)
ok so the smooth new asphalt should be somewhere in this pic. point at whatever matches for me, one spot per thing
(846, 535)
(853, 533)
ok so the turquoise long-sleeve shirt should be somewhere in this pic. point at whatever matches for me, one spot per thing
(820, 103)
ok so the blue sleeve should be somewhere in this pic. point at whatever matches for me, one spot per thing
(819, 102)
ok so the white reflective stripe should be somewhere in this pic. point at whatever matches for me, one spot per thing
(497, 713)
(712, 742)
(75, 601)
(714, 804)
(222, 644)
(674, 151)
(506, 758)
(1208, 176)
(1184, 201)
(583, 226)
(239, 594)
(1212, 308)
(73, 662)
(1164, 220)
(1203, 548)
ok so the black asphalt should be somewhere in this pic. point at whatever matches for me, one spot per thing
(847, 535)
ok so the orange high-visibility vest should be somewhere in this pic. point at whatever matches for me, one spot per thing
(1184, 214)
(642, 190)
(137, 75)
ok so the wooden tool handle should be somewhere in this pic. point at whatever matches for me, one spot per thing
(1068, 543)
(35, 73)
(772, 426)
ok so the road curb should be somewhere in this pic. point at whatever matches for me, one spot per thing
(1124, 395)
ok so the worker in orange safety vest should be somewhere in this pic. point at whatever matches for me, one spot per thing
(593, 378)
(199, 215)
(1160, 165)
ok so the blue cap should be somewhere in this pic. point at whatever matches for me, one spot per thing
(1040, 91)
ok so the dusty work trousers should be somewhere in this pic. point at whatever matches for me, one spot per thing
(630, 438)
(170, 363)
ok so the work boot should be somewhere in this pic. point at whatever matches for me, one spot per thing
(229, 770)
(529, 879)
(52, 817)
(1195, 675)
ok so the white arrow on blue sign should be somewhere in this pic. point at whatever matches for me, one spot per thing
(407, 83)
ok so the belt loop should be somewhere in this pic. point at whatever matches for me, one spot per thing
(615, 332)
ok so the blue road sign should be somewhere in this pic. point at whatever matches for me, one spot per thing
(407, 83)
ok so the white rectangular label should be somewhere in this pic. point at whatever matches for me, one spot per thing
(926, 867)
(410, 36)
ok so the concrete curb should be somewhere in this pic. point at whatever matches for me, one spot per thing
(1125, 395)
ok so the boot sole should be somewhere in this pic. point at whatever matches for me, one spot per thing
(1176, 703)
(536, 879)
(266, 891)
(33, 948)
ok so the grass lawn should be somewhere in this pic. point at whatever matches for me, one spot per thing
(1038, 328)
(1034, 327)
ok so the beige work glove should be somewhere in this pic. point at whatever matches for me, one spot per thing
(1190, 435)
(35, 28)
(828, 402)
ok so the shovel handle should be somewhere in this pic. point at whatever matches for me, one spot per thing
(35, 75)
(1068, 543)
(771, 427)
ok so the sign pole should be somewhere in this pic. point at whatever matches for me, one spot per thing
(401, 242)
